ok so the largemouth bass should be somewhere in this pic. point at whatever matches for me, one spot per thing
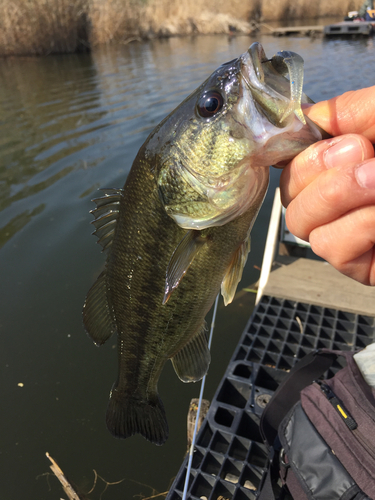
(179, 230)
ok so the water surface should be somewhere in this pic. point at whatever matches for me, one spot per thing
(70, 125)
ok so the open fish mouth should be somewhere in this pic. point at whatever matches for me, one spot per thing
(251, 71)
(261, 75)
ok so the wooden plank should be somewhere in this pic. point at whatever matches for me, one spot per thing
(271, 243)
(317, 282)
(297, 29)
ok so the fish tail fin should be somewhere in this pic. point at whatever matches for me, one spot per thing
(128, 415)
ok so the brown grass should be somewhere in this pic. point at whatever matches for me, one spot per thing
(298, 9)
(40, 27)
(119, 20)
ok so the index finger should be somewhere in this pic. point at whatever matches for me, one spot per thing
(342, 151)
(349, 113)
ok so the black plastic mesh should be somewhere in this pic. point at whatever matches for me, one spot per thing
(230, 456)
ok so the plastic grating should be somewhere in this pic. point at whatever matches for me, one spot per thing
(230, 456)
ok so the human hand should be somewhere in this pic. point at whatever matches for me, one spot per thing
(329, 189)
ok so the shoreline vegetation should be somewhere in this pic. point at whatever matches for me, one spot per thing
(43, 27)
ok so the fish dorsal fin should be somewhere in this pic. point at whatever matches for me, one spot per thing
(286, 62)
(192, 362)
(97, 315)
(106, 213)
(234, 272)
(181, 259)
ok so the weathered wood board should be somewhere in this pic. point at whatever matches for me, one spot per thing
(318, 283)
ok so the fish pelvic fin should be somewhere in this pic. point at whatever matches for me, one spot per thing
(192, 362)
(97, 317)
(131, 414)
(106, 213)
(234, 272)
(181, 259)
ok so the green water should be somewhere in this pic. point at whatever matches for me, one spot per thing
(68, 126)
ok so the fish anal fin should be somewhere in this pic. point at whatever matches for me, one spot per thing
(191, 363)
(181, 259)
(132, 414)
(234, 272)
(97, 316)
(106, 213)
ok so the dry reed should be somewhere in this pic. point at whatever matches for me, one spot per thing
(119, 20)
(298, 9)
(39, 27)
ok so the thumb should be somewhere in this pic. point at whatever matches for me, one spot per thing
(352, 112)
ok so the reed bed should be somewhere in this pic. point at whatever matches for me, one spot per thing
(118, 20)
(41, 27)
(299, 9)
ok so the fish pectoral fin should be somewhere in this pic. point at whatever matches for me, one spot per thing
(234, 272)
(106, 213)
(181, 259)
(192, 362)
(97, 317)
(286, 62)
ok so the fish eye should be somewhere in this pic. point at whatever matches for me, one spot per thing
(210, 103)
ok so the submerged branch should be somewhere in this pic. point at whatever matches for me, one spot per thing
(73, 495)
(164, 494)
(68, 488)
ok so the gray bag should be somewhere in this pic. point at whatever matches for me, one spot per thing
(321, 434)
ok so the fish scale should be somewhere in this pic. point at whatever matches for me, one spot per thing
(179, 229)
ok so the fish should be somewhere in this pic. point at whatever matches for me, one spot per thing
(178, 232)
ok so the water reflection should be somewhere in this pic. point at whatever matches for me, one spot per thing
(50, 110)
(17, 223)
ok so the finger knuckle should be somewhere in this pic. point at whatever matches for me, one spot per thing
(330, 190)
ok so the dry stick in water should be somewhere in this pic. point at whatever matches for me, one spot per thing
(154, 495)
(104, 481)
(69, 490)
(164, 494)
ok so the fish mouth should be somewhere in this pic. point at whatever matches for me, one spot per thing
(254, 93)
(267, 87)
(251, 66)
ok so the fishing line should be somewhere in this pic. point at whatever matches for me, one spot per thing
(191, 451)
